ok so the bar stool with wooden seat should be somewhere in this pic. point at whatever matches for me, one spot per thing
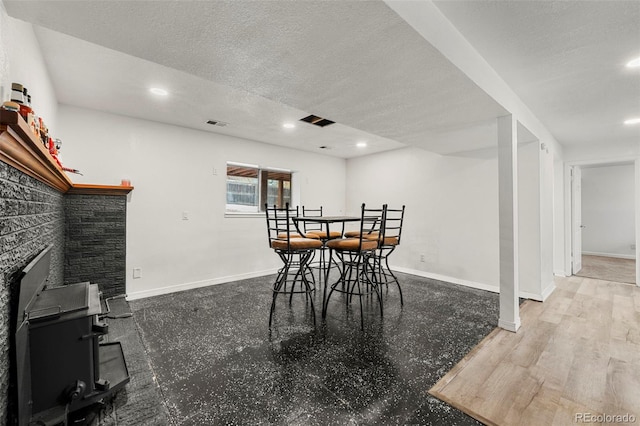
(393, 219)
(358, 254)
(295, 253)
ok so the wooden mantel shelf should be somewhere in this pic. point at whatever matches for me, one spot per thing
(90, 189)
(22, 150)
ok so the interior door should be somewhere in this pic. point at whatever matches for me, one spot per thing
(576, 219)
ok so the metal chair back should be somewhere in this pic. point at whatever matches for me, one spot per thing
(393, 226)
(310, 212)
(372, 224)
(280, 226)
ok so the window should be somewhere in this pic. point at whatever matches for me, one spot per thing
(249, 187)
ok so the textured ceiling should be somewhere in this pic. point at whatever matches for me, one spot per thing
(99, 78)
(255, 64)
(356, 63)
(565, 59)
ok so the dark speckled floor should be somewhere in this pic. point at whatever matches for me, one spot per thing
(216, 362)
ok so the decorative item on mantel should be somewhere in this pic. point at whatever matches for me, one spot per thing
(11, 106)
(21, 103)
(22, 150)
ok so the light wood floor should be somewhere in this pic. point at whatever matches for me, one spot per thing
(578, 352)
(608, 268)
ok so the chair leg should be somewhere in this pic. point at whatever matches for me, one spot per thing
(300, 274)
(309, 269)
(373, 280)
(326, 284)
(325, 299)
(281, 280)
(386, 259)
(358, 278)
(385, 272)
(305, 261)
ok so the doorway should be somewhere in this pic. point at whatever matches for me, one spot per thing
(603, 220)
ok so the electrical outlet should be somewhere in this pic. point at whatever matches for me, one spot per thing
(633, 246)
(185, 215)
(422, 258)
(137, 273)
(215, 171)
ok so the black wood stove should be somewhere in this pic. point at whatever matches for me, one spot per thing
(62, 366)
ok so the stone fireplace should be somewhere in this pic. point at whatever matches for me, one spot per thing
(39, 206)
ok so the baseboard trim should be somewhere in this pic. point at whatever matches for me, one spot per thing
(205, 283)
(448, 279)
(615, 255)
(467, 283)
(547, 291)
(509, 325)
(196, 284)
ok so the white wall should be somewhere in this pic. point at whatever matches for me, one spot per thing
(21, 61)
(547, 218)
(608, 207)
(529, 218)
(558, 213)
(171, 169)
(5, 79)
(451, 211)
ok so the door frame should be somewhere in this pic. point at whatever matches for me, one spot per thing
(576, 228)
(568, 188)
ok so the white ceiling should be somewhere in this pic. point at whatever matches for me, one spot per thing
(257, 64)
(565, 59)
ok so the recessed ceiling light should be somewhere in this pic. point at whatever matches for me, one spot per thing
(288, 125)
(634, 63)
(158, 91)
(632, 121)
(361, 144)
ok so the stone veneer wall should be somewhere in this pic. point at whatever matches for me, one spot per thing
(95, 248)
(31, 218)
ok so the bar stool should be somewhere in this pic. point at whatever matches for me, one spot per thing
(295, 253)
(358, 254)
(393, 219)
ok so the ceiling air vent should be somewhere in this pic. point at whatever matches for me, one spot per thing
(217, 123)
(318, 121)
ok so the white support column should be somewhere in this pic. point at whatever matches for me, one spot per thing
(508, 212)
